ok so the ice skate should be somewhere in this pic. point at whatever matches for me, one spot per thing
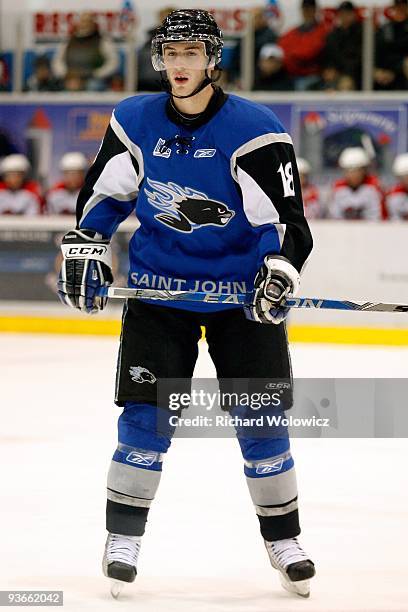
(295, 568)
(120, 560)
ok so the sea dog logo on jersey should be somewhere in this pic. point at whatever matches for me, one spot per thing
(267, 468)
(141, 375)
(186, 209)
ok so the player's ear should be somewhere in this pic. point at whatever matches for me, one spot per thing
(217, 70)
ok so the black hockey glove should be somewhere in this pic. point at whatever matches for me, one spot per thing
(86, 267)
(276, 279)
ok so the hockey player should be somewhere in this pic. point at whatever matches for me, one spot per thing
(217, 193)
(310, 193)
(397, 196)
(18, 194)
(358, 195)
(62, 197)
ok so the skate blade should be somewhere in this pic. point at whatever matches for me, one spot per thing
(300, 587)
(116, 588)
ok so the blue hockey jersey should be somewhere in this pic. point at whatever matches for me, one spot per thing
(212, 201)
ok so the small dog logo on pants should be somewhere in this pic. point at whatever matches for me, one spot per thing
(141, 375)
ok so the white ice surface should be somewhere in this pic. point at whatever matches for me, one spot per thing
(202, 551)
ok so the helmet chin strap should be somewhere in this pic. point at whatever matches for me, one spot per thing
(167, 87)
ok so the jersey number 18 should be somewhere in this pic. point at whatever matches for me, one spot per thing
(287, 179)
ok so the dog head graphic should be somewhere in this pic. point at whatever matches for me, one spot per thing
(186, 209)
(141, 375)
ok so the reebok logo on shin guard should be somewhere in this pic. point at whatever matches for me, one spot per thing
(267, 468)
(141, 458)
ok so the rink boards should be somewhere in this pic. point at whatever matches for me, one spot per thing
(361, 261)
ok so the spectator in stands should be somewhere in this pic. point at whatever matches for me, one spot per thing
(358, 195)
(271, 73)
(73, 82)
(345, 83)
(263, 35)
(310, 193)
(42, 78)
(343, 50)
(303, 47)
(62, 197)
(87, 54)
(117, 83)
(397, 196)
(4, 75)
(147, 79)
(391, 52)
(18, 194)
(328, 80)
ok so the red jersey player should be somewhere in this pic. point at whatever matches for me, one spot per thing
(62, 197)
(358, 194)
(310, 193)
(18, 194)
(397, 196)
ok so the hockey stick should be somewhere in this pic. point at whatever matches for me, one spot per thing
(245, 298)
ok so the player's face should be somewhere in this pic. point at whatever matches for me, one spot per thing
(74, 179)
(404, 180)
(355, 176)
(185, 65)
(14, 180)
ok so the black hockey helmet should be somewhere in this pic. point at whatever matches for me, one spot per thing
(188, 25)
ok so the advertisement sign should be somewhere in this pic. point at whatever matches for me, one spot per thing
(30, 258)
(44, 132)
(56, 26)
(30, 261)
(322, 131)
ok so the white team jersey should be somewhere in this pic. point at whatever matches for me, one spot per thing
(365, 202)
(311, 202)
(397, 203)
(60, 201)
(21, 202)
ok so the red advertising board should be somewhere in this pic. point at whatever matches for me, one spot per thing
(56, 26)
